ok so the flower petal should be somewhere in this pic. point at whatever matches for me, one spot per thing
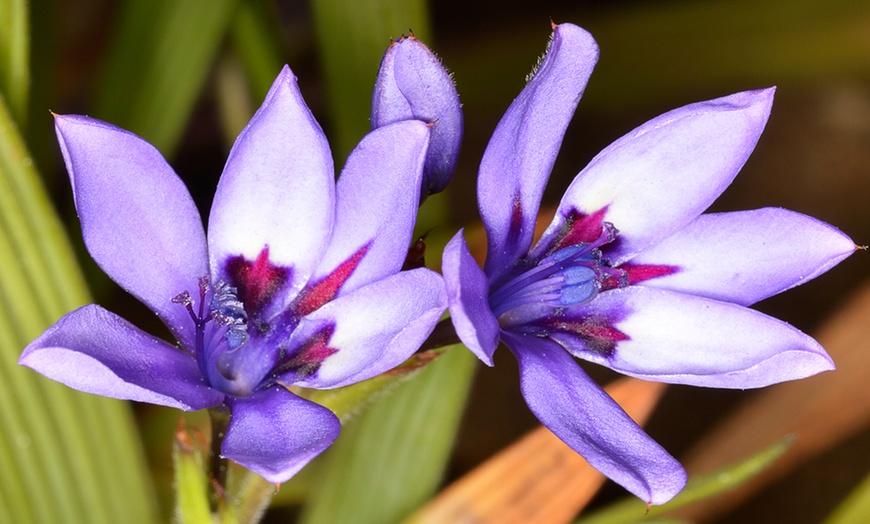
(274, 433)
(376, 328)
(467, 295)
(580, 413)
(376, 203)
(517, 162)
(746, 256)
(139, 222)
(95, 351)
(276, 191)
(413, 85)
(684, 339)
(655, 180)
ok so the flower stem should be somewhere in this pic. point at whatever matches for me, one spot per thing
(218, 466)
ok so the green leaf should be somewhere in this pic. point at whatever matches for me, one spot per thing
(234, 103)
(65, 456)
(856, 507)
(391, 459)
(257, 43)
(191, 481)
(352, 36)
(14, 56)
(350, 401)
(158, 62)
(698, 488)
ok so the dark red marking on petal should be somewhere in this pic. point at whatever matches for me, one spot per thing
(599, 334)
(516, 220)
(638, 273)
(308, 358)
(319, 293)
(579, 228)
(256, 281)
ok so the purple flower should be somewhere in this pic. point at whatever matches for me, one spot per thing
(299, 282)
(413, 85)
(629, 274)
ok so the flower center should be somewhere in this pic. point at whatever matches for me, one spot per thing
(227, 332)
(569, 276)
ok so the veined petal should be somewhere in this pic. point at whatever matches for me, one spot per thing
(467, 296)
(580, 413)
(746, 256)
(376, 203)
(413, 85)
(655, 180)
(95, 351)
(517, 162)
(685, 339)
(376, 328)
(139, 222)
(277, 190)
(274, 433)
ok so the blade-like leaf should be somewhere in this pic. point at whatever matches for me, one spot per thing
(350, 401)
(14, 55)
(256, 42)
(158, 62)
(391, 459)
(246, 74)
(856, 507)
(698, 488)
(191, 480)
(65, 456)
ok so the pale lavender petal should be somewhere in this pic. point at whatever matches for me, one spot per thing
(139, 222)
(655, 180)
(376, 328)
(746, 256)
(517, 162)
(467, 295)
(685, 339)
(376, 203)
(580, 413)
(276, 191)
(413, 85)
(274, 433)
(95, 351)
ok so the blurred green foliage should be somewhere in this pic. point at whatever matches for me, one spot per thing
(60, 450)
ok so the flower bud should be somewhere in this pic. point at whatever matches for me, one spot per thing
(413, 85)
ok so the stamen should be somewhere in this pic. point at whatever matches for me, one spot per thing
(547, 267)
(228, 310)
(569, 276)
